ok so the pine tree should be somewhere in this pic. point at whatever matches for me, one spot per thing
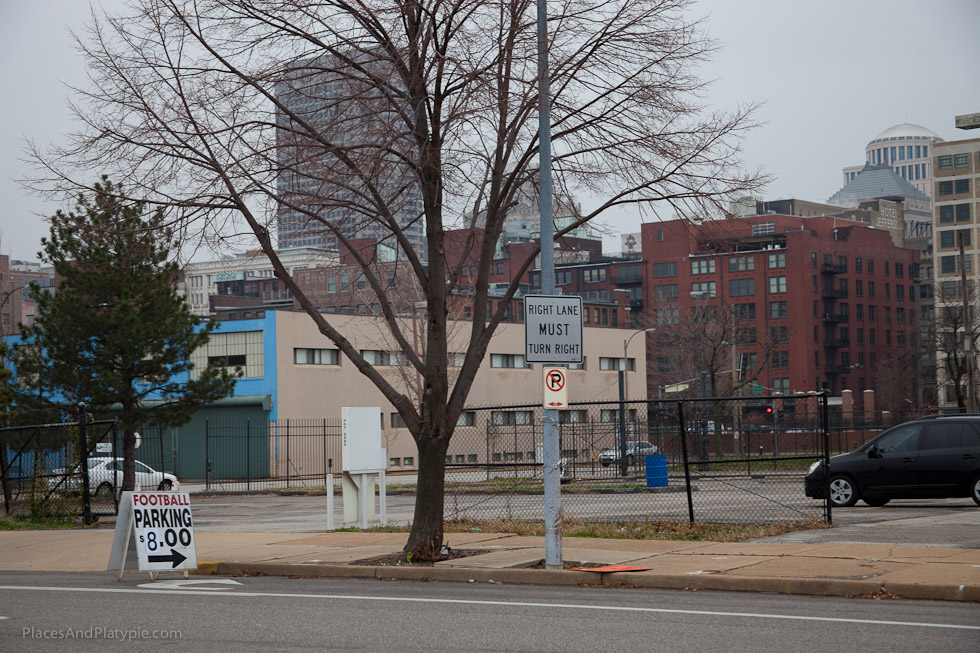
(115, 333)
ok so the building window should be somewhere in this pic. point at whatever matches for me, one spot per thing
(665, 293)
(594, 276)
(511, 418)
(745, 336)
(780, 386)
(945, 162)
(344, 282)
(703, 266)
(660, 235)
(946, 213)
(665, 269)
(396, 421)
(962, 212)
(741, 263)
(780, 360)
(858, 264)
(777, 284)
(945, 187)
(331, 284)
(563, 277)
(303, 356)
(744, 311)
(777, 310)
(779, 334)
(571, 416)
(763, 228)
(616, 364)
(962, 186)
(408, 461)
(242, 350)
(670, 315)
(376, 357)
(961, 160)
(777, 260)
(871, 266)
(513, 361)
(859, 288)
(741, 287)
(871, 289)
(703, 289)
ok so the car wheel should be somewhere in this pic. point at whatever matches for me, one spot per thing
(975, 488)
(630, 460)
(876, 502)
(165, 485)
(104, 488)
(843, 492)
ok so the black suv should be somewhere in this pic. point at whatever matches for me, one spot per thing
(933, 457)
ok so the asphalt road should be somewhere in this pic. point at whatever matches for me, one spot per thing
(259, 614)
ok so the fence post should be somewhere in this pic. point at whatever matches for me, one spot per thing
(83, 443)
(623, 467)
(487, 431)
(687, 468)
(824, 414)
(248, 455)
(287, 447)
(207, 454)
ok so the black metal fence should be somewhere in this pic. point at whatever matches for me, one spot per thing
(41, 470)
(712, 460)
(248, 455)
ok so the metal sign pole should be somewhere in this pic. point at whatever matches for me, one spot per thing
(552, 479)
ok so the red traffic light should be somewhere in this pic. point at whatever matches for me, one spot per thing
(768, 410)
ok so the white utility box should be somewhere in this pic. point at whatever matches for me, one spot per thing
(363, 458)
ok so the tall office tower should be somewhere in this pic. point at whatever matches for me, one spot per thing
(339, 146)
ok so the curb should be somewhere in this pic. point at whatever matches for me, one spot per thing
(559, 577)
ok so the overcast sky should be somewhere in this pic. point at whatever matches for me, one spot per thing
(833, 74)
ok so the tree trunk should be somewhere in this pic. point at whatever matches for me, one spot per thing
(425, 540)
(129, 460)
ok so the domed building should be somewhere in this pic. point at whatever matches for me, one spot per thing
(905, 149)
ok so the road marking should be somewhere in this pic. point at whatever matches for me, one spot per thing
(190, 584)
(508, 604)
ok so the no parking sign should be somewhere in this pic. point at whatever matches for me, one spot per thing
(555, 387)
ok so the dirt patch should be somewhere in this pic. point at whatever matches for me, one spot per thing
(395, 559)
(567, 564)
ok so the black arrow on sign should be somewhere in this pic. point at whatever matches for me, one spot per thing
(175, 556)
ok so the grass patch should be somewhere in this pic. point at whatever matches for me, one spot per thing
(633, 530)
(39, 524)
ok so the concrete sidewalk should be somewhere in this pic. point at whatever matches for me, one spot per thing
(816, 569)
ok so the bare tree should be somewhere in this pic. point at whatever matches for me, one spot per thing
(957, 334)
(347, 116)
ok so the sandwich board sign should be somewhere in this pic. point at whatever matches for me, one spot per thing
(161, 526)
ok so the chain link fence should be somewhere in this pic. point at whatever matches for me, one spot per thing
(712, 460)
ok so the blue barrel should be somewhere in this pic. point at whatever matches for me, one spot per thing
(656, 471)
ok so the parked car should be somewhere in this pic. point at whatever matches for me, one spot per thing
(105, 473)
(937, 456)
(635, 450)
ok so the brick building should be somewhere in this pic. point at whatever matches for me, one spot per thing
(796, 304)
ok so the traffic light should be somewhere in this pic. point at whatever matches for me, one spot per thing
(768, 410)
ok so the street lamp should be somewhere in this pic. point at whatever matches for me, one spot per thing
(626, 344)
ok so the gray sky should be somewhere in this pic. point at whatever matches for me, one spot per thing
(832, 74)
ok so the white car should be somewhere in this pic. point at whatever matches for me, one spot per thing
(636, 451)
(105, 473)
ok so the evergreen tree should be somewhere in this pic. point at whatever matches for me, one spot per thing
(115, 333)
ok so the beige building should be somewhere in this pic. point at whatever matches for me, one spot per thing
(956, 200)
(284, 357)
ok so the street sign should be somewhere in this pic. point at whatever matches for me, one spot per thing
(163, 528)
(757, 388)
(553, 329)
(555, 387)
